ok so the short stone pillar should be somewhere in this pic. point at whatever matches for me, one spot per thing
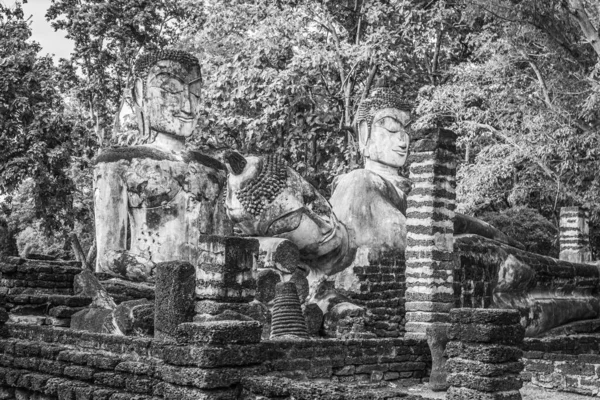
(226, 279)
(288, 319)
(483, 354)
(174, 299)
(430, 231)
(225, 269)
(574, 236)
(437, 339)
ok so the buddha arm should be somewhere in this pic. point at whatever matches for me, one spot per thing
(465, 224)
(111, 205)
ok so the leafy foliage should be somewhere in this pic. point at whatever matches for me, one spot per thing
(287, 76)
(525, 107)
(527, 226)
(517, 80)
(37, 139)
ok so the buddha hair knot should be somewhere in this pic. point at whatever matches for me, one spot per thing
(147, 60)
(262, 190)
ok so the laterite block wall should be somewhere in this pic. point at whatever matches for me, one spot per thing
(564, 363)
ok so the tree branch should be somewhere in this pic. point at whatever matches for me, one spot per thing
(551, 174)
(541, 81)
(436, 54)
(583, 19)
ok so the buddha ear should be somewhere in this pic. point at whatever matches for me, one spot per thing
(137, 92)
(363, 134)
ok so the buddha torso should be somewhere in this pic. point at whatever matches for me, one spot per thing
(372, 207)
(171, 199)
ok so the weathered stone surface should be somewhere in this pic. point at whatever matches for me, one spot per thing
(461, 393)
(87, 285)
(3, 315)
(481, 365)
(220, 332)
(437, 338)
(314, 318)
(122, 290)
(174, 302)
(99, 320)
(485, 384)
(302, 285)
(173, 392)
(62, 322)
(214, 356)
(460, 365)
(279, 254)
(494, 274)
(485, 316)
(265, 284)
(224, 270)
(479, 333)
(135, 316)
(226, 315)
(204, 378)
(260, 387)
(346, 320)
(63, 311)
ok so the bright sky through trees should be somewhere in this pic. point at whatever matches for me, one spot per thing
(52, 42)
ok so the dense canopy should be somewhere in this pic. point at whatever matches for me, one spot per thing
(517, 80)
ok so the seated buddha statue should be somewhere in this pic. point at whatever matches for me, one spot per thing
(154, 198)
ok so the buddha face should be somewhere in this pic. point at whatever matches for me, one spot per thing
(170, 99)
(388, 141)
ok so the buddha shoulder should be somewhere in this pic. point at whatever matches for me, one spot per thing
(362, 180)
(130, 153)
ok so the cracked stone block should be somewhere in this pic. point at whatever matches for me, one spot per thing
(174, 301)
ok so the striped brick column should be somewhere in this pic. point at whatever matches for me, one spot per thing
(574, 235)
(430, 231)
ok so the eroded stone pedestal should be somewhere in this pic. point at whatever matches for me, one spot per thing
(484, 354)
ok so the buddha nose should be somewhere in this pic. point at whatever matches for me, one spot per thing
(187, 104)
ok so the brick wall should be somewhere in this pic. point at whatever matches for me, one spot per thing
(376, 282)
(404, 361)
(40, 292)
(564, 363)
(66, 364)
(488, 273)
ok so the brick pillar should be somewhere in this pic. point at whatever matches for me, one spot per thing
(574, 235)
(484, 354)
(430, 231)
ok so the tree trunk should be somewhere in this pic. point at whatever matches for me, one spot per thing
(79, 254)
(583, 18)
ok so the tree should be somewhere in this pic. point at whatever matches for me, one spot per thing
(37, 140)
(526, 107)
(287, 76)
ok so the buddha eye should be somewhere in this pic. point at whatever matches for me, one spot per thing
(390, 124)
(172, 87)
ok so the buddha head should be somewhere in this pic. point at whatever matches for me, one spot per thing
(166, 93)
(266, 198)
(382, 123)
